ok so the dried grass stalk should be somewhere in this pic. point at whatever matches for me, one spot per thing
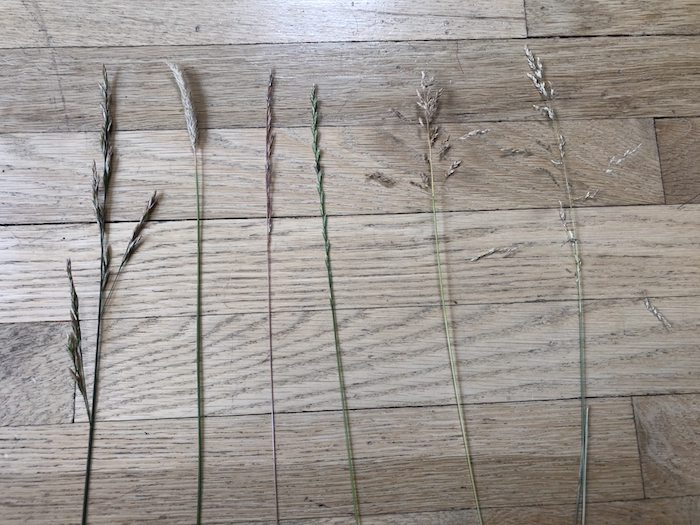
(191, 124)
(546, 91)
(269, 138)
(327, 246)
(428, 101)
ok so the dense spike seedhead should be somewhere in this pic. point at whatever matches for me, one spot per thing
(186, 97)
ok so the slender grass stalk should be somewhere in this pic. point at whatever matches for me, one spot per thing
(268, 192)
(546, 91)
(191, 123)
(105, 251)
(327, 245)
(428, 99)
(100, 202)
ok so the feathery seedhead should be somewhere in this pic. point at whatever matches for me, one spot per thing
(428, 99)
(537, 75)
(186, 98)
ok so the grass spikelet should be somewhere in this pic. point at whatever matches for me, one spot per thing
(327, 245)
(74, 344)
(269, 138)
(428, 100)
(546, 91)
(191, 124)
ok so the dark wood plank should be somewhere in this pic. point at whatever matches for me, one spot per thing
(35, 385)
(552, 18)
(679, 153)
(669, 443)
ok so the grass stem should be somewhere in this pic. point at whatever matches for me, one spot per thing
(428, 101)
(268, 190)
(327, 245)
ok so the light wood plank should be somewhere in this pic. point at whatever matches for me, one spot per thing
(571, 18)
(669, 437)
(207, 22)
(378, 261)
(661, 511)
(35, 386)
(157, 460)
(392, 358)
(678, 151)
(613, 78)
(47, 176)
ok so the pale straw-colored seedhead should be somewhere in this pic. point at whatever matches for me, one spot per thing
(186, 96)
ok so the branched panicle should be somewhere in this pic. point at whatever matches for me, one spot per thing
(428, 98)
(546, 91)
(74, 344)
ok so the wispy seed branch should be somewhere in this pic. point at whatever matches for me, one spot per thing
(74, 345)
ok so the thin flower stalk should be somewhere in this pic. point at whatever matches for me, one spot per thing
(327, 246)
(192, 132)
(100, 201)
(269, 138)
(546, 91)
(100, 207)
(428, 99)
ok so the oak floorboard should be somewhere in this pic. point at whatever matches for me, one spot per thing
(47, 176)
(669, 437)
(378, 261)
(391, 358)
(207, 22)
(679, 153)
(35, 388)
(156, 460)
(612, 78)
(551, 18)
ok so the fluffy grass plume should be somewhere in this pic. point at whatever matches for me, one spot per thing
(546, 91)
(191, 124)
(327, 246)
(428, 100)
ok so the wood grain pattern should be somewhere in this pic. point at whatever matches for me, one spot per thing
(616, 17)
(35, 386)
(590, 84)
(392, 358)
(668, 440)
(625, 75)
(678, 151)
(208, 22)
(47, 175)
(389, 444)
(651, 249)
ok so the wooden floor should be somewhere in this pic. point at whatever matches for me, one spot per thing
(627, 79)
